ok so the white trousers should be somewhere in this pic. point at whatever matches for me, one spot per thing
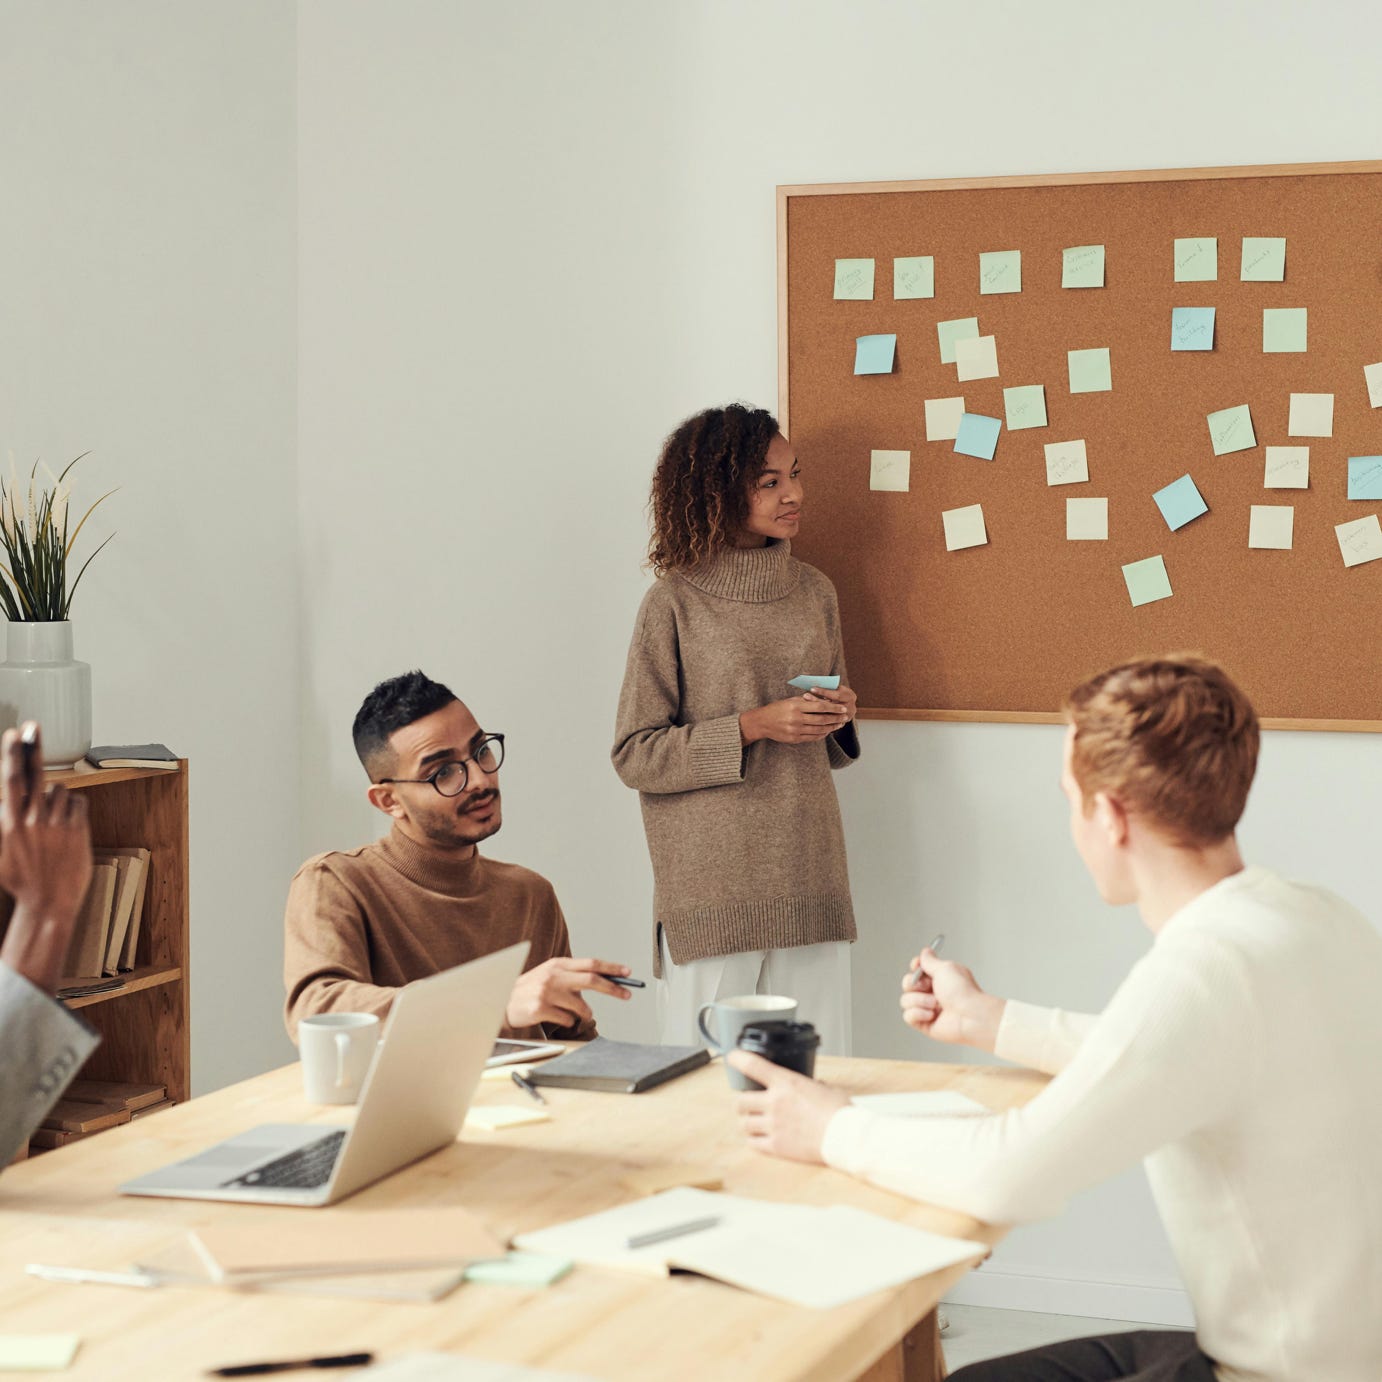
(817, 976)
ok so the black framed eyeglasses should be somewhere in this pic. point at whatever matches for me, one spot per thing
(449, 778)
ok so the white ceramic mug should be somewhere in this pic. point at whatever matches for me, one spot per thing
(336, 1050)
(731, 1015)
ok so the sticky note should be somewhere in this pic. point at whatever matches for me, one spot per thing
(943, 418)
(978, 436)
(1271, 526)
(976, 358)
(1365, 477)
(1283, 330)
(1086, 520)
(1373, 375)
(1179, 502)
(891, 470)
(874, 354)
(1264, 259)
(804, 682)
(493, 1117)
(1089, 370)
(1311, 415)
(1066, 463)
(37, 1352)
(1192, 328)
(520, 1269)
(1082, 266)
(1147, 581)
(1288, 467)
(1197, 259)
(951, 333)
(964, 527)
(1025, 406)
(1230, 429)
(914, 277)
(1000, 272)
(1360, 540)
(854, 280)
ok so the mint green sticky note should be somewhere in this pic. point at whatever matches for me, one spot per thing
(37, 1352)
(874, 354)
(1283, 330)
(1147, 581)
(1025, 406)
(1090, 371)
(1264, 259)
(914, 277)
(1197, 259)
(1000, 272)
(519, 1269)
(1230, 429)
(1082, 267)
(854, 280)
(951, 333)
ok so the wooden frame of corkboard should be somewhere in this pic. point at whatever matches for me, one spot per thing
(1001, 632)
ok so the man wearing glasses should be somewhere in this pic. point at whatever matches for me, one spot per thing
(363, 922)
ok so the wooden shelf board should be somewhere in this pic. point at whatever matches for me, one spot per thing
(84, 775)
(146, 977)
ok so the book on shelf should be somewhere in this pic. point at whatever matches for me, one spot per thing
(84, 988)
(132, 756)
(146, 1109)
(122, 1092)
(70, 1115)
(133, 864)
(86, 952)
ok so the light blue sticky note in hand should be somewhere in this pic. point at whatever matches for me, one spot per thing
(978, 436)
(874, 354)
(37, 1352)
(1147, 581)
(1179, 502)
(1365, 477)
(520, 1269)
(805, 683)
(1230, 429)
(1192, 328)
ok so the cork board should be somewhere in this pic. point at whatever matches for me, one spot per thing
(1002, 631)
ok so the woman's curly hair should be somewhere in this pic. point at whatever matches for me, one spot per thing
(700, 495)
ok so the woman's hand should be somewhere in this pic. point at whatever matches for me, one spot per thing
(843, 697)
(800, 720)
(788, 1118)
(943, 1001)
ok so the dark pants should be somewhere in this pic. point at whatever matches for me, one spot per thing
(1144, 1355)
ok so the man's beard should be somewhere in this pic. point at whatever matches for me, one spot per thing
(454, 831)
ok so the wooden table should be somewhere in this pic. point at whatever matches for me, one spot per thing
(62, 1208)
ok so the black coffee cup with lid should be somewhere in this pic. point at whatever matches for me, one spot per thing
(791, 1045)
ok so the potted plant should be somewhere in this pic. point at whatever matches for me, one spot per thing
(39, 679)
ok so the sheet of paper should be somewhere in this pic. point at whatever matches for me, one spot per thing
(1270, 526)
(1197, 259)
(920, 1103)
(1025, 406)
(1283, 330)
(1288, 467)
(37, 1352)
(874, 354)
(964, 527)
(854, 280)
(520, 1269)
(890, 470)
(1179, 502)
(1082, 266)
(951, 333)
(1230, 429)
(1086, 520)
(914, 277)
(1365, 477)
(1264, 259)
(1192, 328)
(1373, 375)
(460, 1367)
(1090, 371)
(1147, 581)
(943, 418)
(1066, 463)
(1000, 271)
(1312, 415)
(976, 358)
(1360, 540)
(493, 1117)
(978, 436)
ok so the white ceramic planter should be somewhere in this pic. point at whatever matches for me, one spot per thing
(40, 680)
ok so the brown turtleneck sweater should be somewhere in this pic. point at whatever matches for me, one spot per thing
(362, 923)
(747, 847)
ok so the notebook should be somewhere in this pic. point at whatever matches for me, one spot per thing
(619, 1067)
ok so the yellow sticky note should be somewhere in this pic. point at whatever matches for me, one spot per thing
(1311, 415)
(493, 1117)
(976, 359)
(1086, 520)
(943, 418)
(1360, 541)
(1373, 375)
(1271, 526)
(37, 1352)
(890, 470)
(964, 527)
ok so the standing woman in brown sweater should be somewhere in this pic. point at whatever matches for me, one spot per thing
(751, 890)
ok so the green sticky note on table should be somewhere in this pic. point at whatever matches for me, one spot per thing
(1025, 406)
(854, 280)
(1230, 429)
(951, 333)
(874, 354)
(1082, 266)
(1283, 330)
(1197, 259)
(37, 1352)
(1147, 581)
(914, 277)
(1000, 272)
(1264, 259)
(1090, 371)
(519, 1269)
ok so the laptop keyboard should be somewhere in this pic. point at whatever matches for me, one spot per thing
(308, 1168)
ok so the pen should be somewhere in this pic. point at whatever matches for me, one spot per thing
(624, 983)
(935, 949)
(338, 1360)
(660, 1235)
(134, 1278)
(528, 1087)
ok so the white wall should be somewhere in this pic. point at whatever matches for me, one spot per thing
(147, 313)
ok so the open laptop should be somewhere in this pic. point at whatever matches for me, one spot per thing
(439, 1034)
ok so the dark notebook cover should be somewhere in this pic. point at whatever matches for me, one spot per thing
(136, 753)
(619, 1067)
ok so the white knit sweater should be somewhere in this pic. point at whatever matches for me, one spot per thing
(1241, 1059)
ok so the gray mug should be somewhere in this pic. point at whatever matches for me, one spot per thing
(732, 1015)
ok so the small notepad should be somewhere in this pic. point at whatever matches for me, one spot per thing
(37, 1352)
(495, 1117)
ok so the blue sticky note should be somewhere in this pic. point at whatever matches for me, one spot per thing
(1179, 502)
(1192, 328)
(805, 683)
(1365, 477)
(978, 436)
(874, 354)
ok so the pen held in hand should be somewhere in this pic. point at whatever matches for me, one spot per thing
(935, 949)
(623, 982)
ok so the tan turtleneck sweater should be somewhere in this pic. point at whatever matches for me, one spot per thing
(362, 923)
(747, 847)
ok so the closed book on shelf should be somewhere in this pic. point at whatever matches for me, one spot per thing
(141, 858)
(86, 953)
(618, 1067)
(130, 1096)
(132, 756)
(68, 1115)
(125, 885)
